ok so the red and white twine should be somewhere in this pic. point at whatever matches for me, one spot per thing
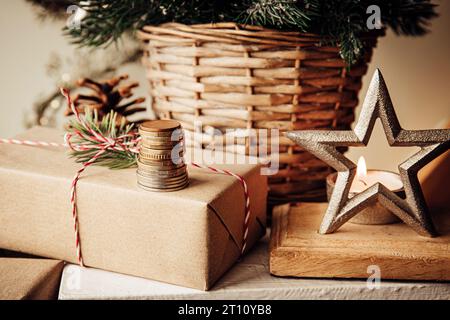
(32, 143)
(246, 195)
(127, 142)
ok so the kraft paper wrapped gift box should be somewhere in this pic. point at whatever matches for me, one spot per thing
(189, 237)
(29, 278)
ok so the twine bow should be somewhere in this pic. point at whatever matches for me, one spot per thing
(127, 142)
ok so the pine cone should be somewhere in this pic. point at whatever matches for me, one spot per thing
(106, 97)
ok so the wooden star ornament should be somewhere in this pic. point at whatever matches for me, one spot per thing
(322, 143)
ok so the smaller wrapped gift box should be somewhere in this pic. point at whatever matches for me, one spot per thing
(29, 279)
(189, 237)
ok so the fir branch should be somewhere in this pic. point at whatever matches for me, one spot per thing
(106, 20)
(340, 22)
(407, 17)
(108, 127)
(278, 14)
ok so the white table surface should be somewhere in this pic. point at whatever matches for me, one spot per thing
(248, 279)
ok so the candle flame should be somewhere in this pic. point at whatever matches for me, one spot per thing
(361, 169)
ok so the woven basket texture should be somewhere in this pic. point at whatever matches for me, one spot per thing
(231, 77)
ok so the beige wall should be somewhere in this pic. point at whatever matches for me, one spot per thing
(417, 71)
(25, 48)
(26, 45)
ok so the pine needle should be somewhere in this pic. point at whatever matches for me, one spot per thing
(113, 159)
(340, 22)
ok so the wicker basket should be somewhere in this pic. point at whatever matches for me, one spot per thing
(230, 76)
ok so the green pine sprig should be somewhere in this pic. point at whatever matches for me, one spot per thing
(280, 14)
(113, 159)
(339, 22)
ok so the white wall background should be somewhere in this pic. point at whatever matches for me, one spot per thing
(417, 71)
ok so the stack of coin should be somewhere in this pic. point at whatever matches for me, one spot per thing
(161, 165)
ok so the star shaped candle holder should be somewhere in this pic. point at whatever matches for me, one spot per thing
(411, 209)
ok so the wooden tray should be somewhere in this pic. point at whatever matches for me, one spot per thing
(298, 250)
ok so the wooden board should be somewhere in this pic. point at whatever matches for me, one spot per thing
(249, 279)
(297, 249)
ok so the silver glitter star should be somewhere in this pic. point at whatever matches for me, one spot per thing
(322, 143)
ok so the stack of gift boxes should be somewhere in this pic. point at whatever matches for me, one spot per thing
(189, 237)
(130, 237)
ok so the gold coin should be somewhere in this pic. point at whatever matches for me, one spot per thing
(161, 180)
(163, 189)
(163, 146)
(161, 170)
(174, 135)
(162, 185)
(153, 164)
(146, 150)
(159, 126)
(154, 177)
(172, 188)
(155, 157)
(161, 140)
(155, 152)
(151, 154)
(163, 136)
(162, 131)
(145, 171)
(167, 140)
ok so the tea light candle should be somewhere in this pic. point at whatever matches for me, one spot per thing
(364, 179)
(375, 214)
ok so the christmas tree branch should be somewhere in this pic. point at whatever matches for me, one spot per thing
(341, 22)
(84, 139)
